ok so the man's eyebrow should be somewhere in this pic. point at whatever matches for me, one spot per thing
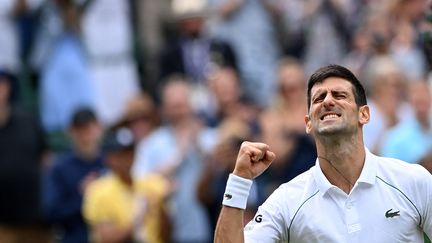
(337, 91)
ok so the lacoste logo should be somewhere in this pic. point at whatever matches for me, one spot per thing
(390, 214)
(227, 196)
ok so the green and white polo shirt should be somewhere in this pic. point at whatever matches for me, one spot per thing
(390, 202)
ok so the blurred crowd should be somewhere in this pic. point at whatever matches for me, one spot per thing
(120, 120)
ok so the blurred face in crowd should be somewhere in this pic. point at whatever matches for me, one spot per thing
(140, 116)
(291, 81)
(140, 126)
(225, 85)
(176, 101)
(388, 93)
(86, 137)
(334, 110)
(191, 26)
(121, 162)
(420, 99)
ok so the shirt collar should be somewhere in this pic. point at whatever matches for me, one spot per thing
(368, 174)
(369, 171)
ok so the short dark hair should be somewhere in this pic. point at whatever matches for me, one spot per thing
(339, 72)
(82, 116)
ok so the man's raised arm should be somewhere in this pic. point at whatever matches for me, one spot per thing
(252, 160)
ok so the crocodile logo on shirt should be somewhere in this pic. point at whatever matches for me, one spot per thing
(390, 214)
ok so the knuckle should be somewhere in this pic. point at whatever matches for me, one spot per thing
(244, 144)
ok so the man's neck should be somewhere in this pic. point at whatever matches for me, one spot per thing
(88, 155)
(341, 161)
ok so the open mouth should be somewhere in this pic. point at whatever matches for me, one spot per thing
(329, 116)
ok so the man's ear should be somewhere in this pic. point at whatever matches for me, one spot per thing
(308, 124)
(364, 114)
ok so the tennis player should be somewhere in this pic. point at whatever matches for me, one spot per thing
(350, 195)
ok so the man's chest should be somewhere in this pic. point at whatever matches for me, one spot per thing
(374, 214)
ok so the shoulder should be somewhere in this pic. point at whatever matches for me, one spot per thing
(99, 198)
(61, 161)
(297, 191)
(158, 139)
(276, 214)
(153, 185)
(403, 176)
(161, 134)
(401, 170)
(101, 186)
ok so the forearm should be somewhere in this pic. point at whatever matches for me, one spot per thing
(230, 223)
(229, 227)
(252, 160)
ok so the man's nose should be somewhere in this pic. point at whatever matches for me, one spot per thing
(328, 101)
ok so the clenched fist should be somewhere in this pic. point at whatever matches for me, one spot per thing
(253, 159)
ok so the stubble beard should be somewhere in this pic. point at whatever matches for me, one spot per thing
(335, 131)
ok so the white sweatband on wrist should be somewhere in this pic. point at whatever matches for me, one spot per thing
(236, 192)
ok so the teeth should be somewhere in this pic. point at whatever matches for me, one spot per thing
(330, 116)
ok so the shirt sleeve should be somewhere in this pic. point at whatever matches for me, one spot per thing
(56, 200)
(94, 204)
(427, 204)
(269, 224)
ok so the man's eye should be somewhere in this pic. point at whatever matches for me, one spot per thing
(317, 100)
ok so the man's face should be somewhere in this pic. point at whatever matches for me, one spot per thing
(86, 138)
(334, 110)
(176, 102)
(121, 161)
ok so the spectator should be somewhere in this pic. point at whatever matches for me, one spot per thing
(121, 209)
(227, 99)
(59, 58)
(194, 54)
(288, 105)
(10, 11)
(329, 26)
(385, 84)
(113, 69)
(66, 180)
(361, 50)
(155, 26)
(23, 152)
(177, 149)
(232, 131)
(410, 140)
(247, 25)
(282, 128)
(407, 53)
(142, 118)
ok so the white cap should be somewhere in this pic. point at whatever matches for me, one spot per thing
(184, 9)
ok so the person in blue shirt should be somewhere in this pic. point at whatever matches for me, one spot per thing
(410, 140)
(66, 179)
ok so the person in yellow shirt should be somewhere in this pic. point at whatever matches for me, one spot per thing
(119, 209)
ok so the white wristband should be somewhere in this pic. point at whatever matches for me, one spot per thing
(236, 192)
